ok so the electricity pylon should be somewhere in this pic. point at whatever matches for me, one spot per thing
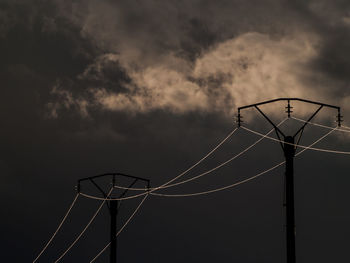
(113, 205)
(289, 149)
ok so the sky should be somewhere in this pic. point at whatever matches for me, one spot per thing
(147, 88)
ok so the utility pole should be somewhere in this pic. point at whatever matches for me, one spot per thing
(112, 203)
(113, 210)
(289, 149)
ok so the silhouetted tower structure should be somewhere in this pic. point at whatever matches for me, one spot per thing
(113, 204)
(289, 149)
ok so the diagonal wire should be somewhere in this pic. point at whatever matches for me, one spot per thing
(85, 228)
(243, 181)
(320, 125)
(165, 185)
(187, 170)
(121, 229)
(58, 228)
(298, 145)
(318, 140)
(183, 173)
(221, 188)
(215, 168)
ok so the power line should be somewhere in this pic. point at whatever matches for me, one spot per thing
(58, 228)
(222, 188)
(85, 228)
(121, 229)
(187, 170)
(245, 180)
(211, 170)
(318, 140)
(165, 186)
(222, 164)
(320, 125)
(297, 145)
(112, 199)
(193, 178)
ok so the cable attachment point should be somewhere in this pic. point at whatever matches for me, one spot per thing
(289, 109)
(239, 119)
(77, 188)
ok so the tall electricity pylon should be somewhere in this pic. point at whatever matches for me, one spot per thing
(289, 149)
(112, 203)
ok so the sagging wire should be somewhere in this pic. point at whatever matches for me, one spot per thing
(321, 125)
(245, 180)
(222, 188)
(85, 228)
(297, 145)
(58, 228)
(184, 172)
(166, 184)
(211, 170)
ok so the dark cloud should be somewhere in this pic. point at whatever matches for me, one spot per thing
(177, 46)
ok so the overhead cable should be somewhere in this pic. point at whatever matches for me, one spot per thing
(344, 126)
(166, 184)
(297, 145)
(58, 228)
(222, 188)
(320, 125)
(245, 180)
(121, 229)
(318, 140)
(187, 170)
(112, 199)
(211, 170)
(85, 228)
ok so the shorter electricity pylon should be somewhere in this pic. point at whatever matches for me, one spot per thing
(289, 149)
(113, 203)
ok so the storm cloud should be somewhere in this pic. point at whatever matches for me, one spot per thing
(196, 56)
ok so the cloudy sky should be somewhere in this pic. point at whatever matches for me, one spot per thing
(149, 87)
